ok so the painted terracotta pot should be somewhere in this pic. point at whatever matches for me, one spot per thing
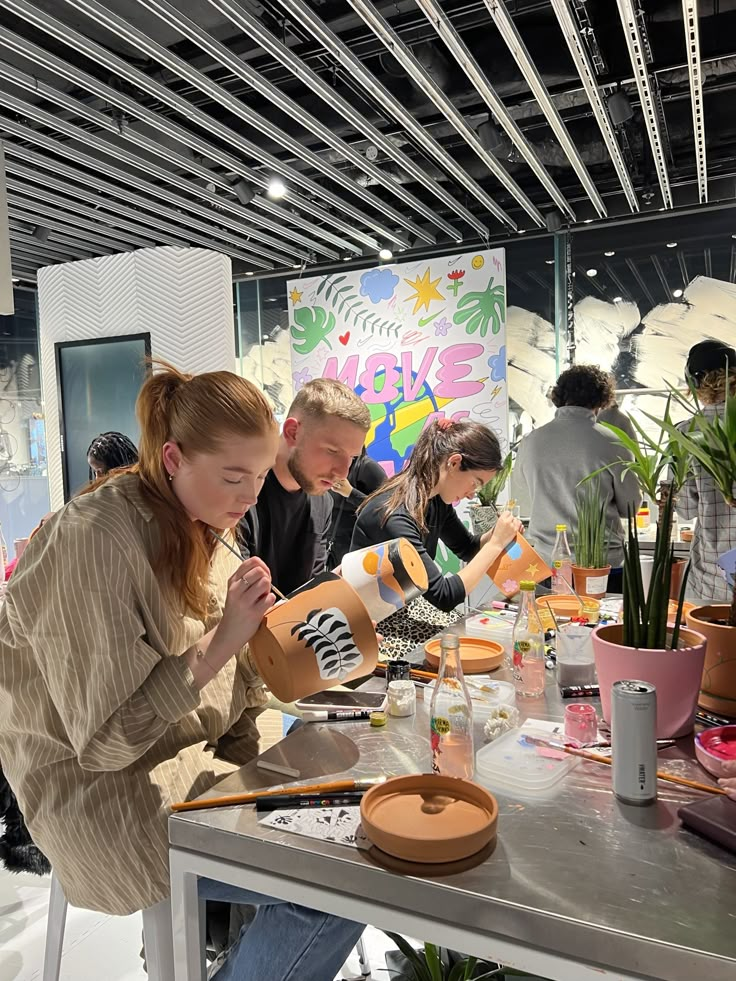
(386, 576)
(321, 636)
(718, 686)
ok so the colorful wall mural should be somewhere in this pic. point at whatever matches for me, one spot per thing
(417, 340)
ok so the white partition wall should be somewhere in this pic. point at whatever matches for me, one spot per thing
(181, 297)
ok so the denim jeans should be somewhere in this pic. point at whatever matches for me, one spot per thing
(284, 942)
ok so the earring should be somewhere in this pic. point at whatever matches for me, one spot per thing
(171, 478)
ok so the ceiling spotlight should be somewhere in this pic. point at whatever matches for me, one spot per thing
(553, 221)
(618, 299)
(490, 136)
(41, 234)
(672, 245)
(619, 108)
(588, 221)
(276, 189)
(15, 279)
(458, 241)
(385, 255)
(250, 273)
(677, 294)
(549, 262)
(346, 258)
(297, 265)
(244, 192)
(591, 272)
(609, 254)
(521, 231)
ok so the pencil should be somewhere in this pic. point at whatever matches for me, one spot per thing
(237, 553)
(681, 781)
(312, 788)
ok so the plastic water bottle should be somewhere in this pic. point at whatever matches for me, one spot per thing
(561, 562)
(528, 655)
(451, 713)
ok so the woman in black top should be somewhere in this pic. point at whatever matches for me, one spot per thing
(450, 461)
(364, 477)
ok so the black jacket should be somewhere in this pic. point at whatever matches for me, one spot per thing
(366, 476)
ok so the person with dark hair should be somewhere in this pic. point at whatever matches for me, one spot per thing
(110, 451)
(126, 681)
(289, 529)
(709, 364)
(348, 493)
(450, 461)
(552, 461)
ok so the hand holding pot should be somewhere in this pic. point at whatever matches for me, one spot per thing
(249, 598)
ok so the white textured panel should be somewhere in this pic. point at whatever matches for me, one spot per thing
(182, 297)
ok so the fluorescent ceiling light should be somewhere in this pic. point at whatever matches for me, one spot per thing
(276, 189)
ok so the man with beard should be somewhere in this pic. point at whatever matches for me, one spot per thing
(288, 528)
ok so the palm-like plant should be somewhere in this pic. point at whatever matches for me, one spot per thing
(711, 441)
(661, 463)
(432, 964)
(488, 493)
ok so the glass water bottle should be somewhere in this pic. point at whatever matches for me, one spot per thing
(451, 715)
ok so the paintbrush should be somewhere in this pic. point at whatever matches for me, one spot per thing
(251, 798)
(607, 761)
(239, 556)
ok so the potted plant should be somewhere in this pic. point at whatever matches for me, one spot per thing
(434, 963)
(484, 514)
(661, 464)
(644, 647)
(711, 439)
(590, 569)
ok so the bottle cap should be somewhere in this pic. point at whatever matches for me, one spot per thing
(560, 527)
(527, 586)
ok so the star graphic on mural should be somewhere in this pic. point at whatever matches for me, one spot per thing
(532, 569)
(425, 290)
(295, 296)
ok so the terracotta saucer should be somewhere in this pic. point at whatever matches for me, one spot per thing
(429, 819)
(477, 656)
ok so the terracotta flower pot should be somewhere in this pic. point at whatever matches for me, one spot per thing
(321, 636)
(678, 570)
(386, 576)
(718, 686)
(590, 581)
(675, 674)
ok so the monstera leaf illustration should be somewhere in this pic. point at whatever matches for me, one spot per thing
(328, 634)
(313, 324)
(479, 311)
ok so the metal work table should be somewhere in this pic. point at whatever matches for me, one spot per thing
(579, 887)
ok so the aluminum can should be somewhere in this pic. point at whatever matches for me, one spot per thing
(634, 742)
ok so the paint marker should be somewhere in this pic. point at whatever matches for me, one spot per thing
(501, 605)
(336, 716)
(287, 801)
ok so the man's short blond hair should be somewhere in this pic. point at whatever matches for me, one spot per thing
(324, 397)
(712, 386)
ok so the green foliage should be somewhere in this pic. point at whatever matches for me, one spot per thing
(488, 493)
(592, 537)
(645, 618)
(480, 310)
(711, 440)
(433, 964)
(350, 307)
(313, 324)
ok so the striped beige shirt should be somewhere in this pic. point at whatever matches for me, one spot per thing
(101, 726)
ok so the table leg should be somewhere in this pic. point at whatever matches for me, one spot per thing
(188, 920)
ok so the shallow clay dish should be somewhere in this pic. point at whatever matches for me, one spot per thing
(477, 656)
(428, 818)
(716, 750)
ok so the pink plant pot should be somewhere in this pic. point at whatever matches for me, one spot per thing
(675, 674)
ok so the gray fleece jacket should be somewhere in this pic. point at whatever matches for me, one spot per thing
(551, 462)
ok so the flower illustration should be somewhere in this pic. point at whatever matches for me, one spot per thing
(378, 284)
(300, 378)
(456, 280)
(510, 587)
(497, 364)
(441, 327)
(518, 659)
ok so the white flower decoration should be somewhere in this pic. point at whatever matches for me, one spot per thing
(501, 720)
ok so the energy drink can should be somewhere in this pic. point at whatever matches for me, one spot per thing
(634, 742)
